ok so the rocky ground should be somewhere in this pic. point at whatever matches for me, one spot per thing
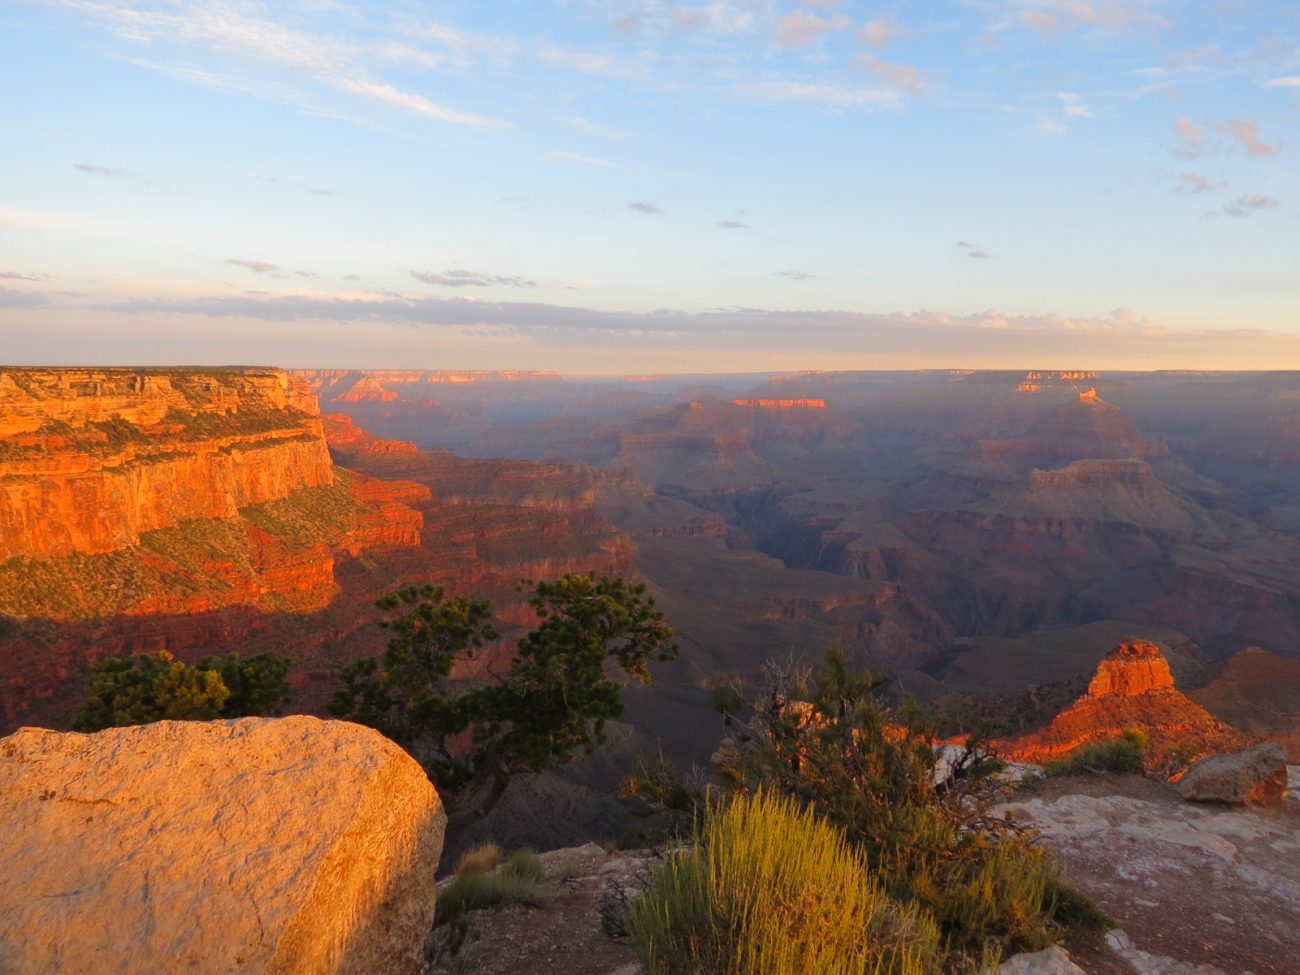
(1193, 889)
(1200, 885)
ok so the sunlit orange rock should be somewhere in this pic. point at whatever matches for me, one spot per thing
(1133, 687)
(781, 404)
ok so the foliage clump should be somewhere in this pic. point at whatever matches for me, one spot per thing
(550, 704)
(1126, 755)
(482, 880)
(921, 816)
(129, 689)
(770, 888)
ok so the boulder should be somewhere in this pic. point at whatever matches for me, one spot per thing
(291, 845)
(1256, 775)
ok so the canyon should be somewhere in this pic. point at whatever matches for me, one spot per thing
(199, 510)
(986, 538)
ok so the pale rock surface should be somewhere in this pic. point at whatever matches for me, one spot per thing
(1193, 885)
(1145, 963)
(292, 845)
(1053, 961)
(1256, 775)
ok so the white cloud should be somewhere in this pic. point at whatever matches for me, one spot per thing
(413, 102)
(833, 96)
(577, 157)
(1070, 101)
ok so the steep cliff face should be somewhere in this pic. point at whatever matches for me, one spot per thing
(92, 459)
(1133, 687)
(144, 510)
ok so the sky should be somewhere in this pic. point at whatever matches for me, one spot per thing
(635, 186)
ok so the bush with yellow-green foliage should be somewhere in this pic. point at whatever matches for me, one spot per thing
(926, 831)
(770, 888)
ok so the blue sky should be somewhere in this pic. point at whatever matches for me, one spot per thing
(606, 187)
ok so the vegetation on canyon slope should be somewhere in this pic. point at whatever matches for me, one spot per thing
(129, 689)
(550, 704)
(919, 818)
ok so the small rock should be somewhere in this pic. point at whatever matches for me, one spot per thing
(1256, 775)
(1053, 961)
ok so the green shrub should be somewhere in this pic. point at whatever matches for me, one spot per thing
(477, 890)
(526, 865)
(132, 689)
(927, 830)
(1125, 755)
(769, 888)
(139, 688)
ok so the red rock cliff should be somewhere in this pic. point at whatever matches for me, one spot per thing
(92, 458)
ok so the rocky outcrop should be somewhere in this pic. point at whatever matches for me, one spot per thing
(1133, 687)
(92, 459)
(250, 846)
(1257, 775)
(1197, 890)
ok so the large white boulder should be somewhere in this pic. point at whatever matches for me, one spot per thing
(291, 845)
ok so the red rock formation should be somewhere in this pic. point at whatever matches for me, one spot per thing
(781, 404)
(1132, 688)
(366, 390)
(110, 469)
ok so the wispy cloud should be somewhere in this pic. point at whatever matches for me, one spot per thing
(1052, 16)
(794, 275)
(730, 225)
(898, 76)
(248, 31)
(576, 157)
(553, 322)
(1192, 182)
(880, 33)
(973, 250)
(413, 102)
(21, 299)
(471, 279)
(1073, 104)
(1247, 134)
(801, 28)
(304, 187)
(1248, 203)
(641, 206)
(1189, 138)
(257, 267)
(830, 96)
(94, 170)
(23, 276)
(1291, 81)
